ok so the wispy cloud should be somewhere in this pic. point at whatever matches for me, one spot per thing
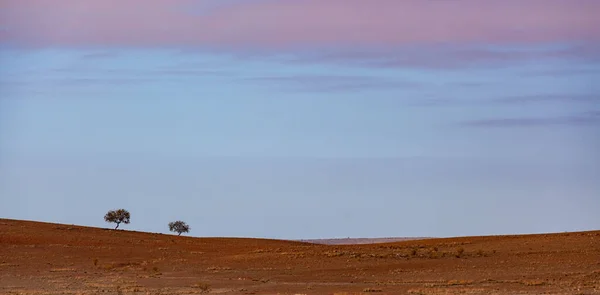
(106, 81)
(582, 119)
(442, 57)
(580, 101)
(562, 72)
(155, 73)
(100, 55)
(276, 24)
(545, 98)
(188, 72)
(324, 83)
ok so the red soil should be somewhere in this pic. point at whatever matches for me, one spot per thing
(44, 258)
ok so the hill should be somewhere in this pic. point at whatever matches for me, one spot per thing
(359, 241)
(45, 258)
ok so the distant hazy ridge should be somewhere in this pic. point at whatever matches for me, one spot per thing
(356, 241)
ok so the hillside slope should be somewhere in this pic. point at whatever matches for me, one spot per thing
(44, 258)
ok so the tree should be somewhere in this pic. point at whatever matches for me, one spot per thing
(179, 227)
(118, 216)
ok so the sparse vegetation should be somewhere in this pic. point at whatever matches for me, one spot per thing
(434, 254)
(459, 252)
(96, 261)
(179, 227)
(335, 253)
(533, 283)
(118, 216)
(120, 265)
(459, 282)
(203, 287)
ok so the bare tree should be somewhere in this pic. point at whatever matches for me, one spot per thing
(179, 227)
(118, 216)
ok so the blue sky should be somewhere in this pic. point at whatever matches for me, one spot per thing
(308, 141)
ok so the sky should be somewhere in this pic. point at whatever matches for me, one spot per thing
(298, 119)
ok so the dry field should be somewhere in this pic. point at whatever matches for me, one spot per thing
(43, 258)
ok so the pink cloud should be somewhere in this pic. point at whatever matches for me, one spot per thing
(282, 23)
(445, 57)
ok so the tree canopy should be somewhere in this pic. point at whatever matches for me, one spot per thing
(179, 227)
(118, 216)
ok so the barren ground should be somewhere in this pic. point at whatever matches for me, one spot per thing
(44, 258)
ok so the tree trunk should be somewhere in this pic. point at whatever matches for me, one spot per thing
(117, 225)
(179, 234)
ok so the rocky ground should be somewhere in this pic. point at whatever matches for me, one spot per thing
(44, 258)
